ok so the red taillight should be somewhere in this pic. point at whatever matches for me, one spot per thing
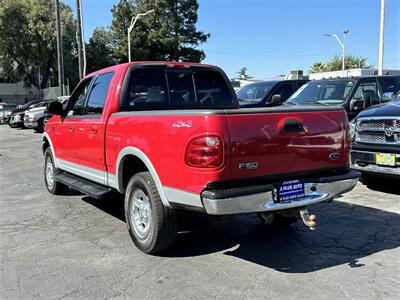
(205, 152)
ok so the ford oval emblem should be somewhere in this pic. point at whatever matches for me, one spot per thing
(334, 156)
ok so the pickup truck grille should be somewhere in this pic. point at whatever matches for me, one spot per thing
(382, 131)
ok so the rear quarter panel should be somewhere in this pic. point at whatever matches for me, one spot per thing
(163, 139)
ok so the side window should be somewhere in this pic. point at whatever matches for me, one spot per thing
(77, 101)
(147, 87)
(388, 85)
(98, 94)
(285, 90)
(368, 87)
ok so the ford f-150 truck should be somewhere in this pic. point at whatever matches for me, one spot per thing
(171, 136)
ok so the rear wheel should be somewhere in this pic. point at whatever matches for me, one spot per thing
(151, 225)
(53, 186)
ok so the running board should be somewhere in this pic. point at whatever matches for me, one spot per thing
(85, 186)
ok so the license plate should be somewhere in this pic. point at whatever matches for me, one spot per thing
(290, 190)
(385, 159)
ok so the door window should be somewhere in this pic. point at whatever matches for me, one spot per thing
(368, 87)
(98, 94)
(77, 101)
(285, 90)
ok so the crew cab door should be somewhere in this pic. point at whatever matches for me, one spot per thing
(85, 129)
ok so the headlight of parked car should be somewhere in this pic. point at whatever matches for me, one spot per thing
(17, 118)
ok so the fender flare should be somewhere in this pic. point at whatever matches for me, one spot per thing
(143, 157)
(47, 137)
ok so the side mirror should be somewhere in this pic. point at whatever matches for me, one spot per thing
(356, 104)
(55, 108)
(388, 96)
(276, 100)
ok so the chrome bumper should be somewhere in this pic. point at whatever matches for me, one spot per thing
(315, 192)
(30, 124)
(364, 161)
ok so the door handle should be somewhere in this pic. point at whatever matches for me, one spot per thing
(93, 130)
(71, 129)
(292, 125)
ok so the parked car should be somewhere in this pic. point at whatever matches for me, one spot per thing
(376, 145)
(4, 107)
(260, 94)
(354, 94)
(48, 115)
(17, 114)
(171, 136)
(34, 118)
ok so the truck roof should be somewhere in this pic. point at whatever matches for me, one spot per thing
(169, 63)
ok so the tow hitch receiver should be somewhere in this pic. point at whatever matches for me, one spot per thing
(308, 220)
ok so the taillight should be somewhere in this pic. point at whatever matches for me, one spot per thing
(205, 152)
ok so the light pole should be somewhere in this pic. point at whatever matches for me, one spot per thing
(381, 38)
(133, 22)
(342, 45)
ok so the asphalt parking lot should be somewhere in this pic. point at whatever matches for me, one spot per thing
(77, 247)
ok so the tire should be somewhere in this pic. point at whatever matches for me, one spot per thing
(40, 127)
(53, 186)
(278, 220)
(151, 225)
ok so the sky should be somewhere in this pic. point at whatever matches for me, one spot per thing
(273, 37)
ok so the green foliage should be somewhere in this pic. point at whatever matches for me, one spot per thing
(28, 48)
(335, 64)
(169, 33)
(243, 75)
(99, 50)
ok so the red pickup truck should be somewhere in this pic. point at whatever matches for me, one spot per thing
(171, 136)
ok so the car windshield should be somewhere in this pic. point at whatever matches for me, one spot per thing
(329, 92)
(254, 93)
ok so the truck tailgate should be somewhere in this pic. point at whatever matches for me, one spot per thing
(287, 141)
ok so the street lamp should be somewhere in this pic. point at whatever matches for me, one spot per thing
(342, 45)
(133, 22)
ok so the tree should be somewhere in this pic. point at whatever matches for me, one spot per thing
(318, 67)
(242, 74)
(167, 34)
(28, 41)
(335, 64)
(99, 50)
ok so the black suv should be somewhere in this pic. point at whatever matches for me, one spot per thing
(376, 140)
(268, 93)
(353, 93)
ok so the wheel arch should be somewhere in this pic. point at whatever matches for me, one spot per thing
(131, 156)
(47, 143)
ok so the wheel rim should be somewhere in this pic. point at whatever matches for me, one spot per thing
(140, 213)
(49, 173)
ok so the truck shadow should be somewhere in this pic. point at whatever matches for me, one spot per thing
(385, 185)
(346, 233)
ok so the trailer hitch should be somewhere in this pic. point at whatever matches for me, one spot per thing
(308, 220)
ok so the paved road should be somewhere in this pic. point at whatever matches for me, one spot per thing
(77, 247)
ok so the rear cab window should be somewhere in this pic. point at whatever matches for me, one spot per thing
(176, 88)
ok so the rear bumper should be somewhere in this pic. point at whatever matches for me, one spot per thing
(263, 198)
(364, 161)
